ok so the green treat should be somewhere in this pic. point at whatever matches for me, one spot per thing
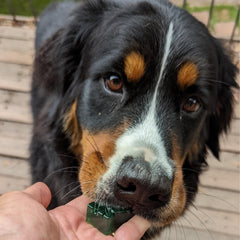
(107, 220)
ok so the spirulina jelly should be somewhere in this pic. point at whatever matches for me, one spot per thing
(107, 220)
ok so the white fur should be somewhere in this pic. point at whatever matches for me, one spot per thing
(145, 138)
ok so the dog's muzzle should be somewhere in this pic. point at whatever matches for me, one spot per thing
(139, 187)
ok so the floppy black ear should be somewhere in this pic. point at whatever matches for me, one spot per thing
(59, 57)
(220, 120)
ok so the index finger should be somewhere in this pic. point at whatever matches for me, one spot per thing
(80, 203)
(39, 192)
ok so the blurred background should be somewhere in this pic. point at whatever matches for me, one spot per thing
(216, 211)
(221, 16)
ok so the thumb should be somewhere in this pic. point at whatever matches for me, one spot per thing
(39, 192)
(133, 229)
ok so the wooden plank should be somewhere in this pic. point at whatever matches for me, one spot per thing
(230, 143)
(18, 18)
(222, 179)
(20, 33)
(17, 131)
(10, 56)
(235, 127)
(228, 161)
(14, 147)
(13, 184)
(178, 232)
(17, 45)
(217, 199)
(14, 167)
(15, 77)
(14, 139)
(15, 106)
(237, 93)
(237, 111)
(211, 221)
(16, 51)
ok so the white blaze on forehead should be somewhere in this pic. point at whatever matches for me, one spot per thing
(166, 53)
(144, 139)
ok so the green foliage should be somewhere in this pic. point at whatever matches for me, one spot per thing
(23, 7)
(221, 13)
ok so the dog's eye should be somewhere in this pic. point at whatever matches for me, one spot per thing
(191, 105)
(114, 83)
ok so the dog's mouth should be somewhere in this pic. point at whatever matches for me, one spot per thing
(109, 202)
(107, 219)
(160, 208)
(152, 215)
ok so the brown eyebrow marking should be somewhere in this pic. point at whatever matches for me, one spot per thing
(134, 67)
(187, 75)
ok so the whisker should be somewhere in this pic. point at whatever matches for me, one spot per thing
(72, 190)
(198, 209)
(215, 197)
(98, 151)
(66, 169)
(67, 156)
(181, 229)
(201, 222)
(217, 81)
(83, 183)
(66, 186)
(175, 216)
(190, 223)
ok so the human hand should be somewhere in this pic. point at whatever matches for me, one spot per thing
(23, 215)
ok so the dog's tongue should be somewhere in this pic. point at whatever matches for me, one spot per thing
(107, 220)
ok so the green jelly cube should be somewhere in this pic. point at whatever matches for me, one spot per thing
(107, 220)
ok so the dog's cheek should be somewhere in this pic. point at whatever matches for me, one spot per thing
(178, 191)
(97, 150)
(177, 203)
(178, 199)
(90, 172)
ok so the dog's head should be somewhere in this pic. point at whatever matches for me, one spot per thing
(147, 90)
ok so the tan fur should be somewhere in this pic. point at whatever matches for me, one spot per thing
(72, 129)
(134, 67)
(97, 150)
(187, 75)
(178, 200)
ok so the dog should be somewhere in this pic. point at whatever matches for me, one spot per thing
(127, 96)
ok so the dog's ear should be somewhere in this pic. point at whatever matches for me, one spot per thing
(58, 59)
(219, 121)
(60, 56)
(71, 46)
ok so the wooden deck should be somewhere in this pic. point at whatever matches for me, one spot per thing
(216, 212)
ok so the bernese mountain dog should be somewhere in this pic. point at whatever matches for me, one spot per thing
(127, 96)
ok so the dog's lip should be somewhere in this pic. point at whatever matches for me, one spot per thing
(137, 210)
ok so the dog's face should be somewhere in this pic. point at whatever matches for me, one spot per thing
(149, 90)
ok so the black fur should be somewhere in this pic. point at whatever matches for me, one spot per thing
(73, 56)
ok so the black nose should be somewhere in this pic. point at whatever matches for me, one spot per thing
(138, 189)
